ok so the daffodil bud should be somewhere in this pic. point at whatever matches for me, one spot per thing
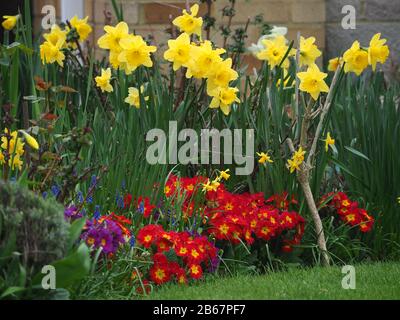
(9, 22)
(31, 141)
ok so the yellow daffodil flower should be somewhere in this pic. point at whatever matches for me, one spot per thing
(15, 162)
(312, 81)
(264, 157)
(178, 51)
(210, 185)
(203, 59)
(82, 27)
(135, 52)
(275, 50)
(224, 174)
(113, 36)
(356, 59)
(334, 63)
(133, 97)
(50, 53)
(56, 35)
(103, 81)
(189, 23)
(31, 141)
(377, 51)
(297, 159)
(328, 141)
(223, 98)
(220, 75)
(9, 22)
(308, 51)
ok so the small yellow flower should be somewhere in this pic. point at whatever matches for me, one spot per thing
(356, 59)
(398, 200)
(264, 157)
(133, 97)
(31, 141)
(377, 51)
(9, 22)
(329, 141)
(103, 81)
(334, 63)
(15, 162)
(299, 155)
(223, 98)
(312, 81)
(211, 185)
(14, 145)
(293, 165)
(224, 174)
(297, 159)
(308, 51)
(82, 27)
(189, 23)
(178, 51)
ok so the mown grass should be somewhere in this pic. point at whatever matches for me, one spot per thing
(373, 281)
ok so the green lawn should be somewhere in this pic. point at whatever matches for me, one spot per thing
(373, 281)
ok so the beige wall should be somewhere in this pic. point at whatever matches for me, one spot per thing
(153, 17)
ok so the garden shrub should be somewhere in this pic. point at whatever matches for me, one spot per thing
(36, 224)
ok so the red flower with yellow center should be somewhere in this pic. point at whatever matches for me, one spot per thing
(224, 229)
(253, 223)
(350, 217)
(265, 230)
(159, 274)
(345, 203)
(195, 271)
(194, 253)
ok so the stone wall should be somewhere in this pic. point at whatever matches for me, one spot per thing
(372, 16)
(153, 17)
(319, 18)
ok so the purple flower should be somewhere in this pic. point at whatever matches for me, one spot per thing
(71, 213)
(79, 196)
(93, 181)
(132, 241)
(214, 263)
(107, 235)
(55, 190)
(97, 214)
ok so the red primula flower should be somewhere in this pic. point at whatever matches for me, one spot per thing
(181, 277)
(149, 235)
(144, 206)
(195, 271)
(159, 273)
